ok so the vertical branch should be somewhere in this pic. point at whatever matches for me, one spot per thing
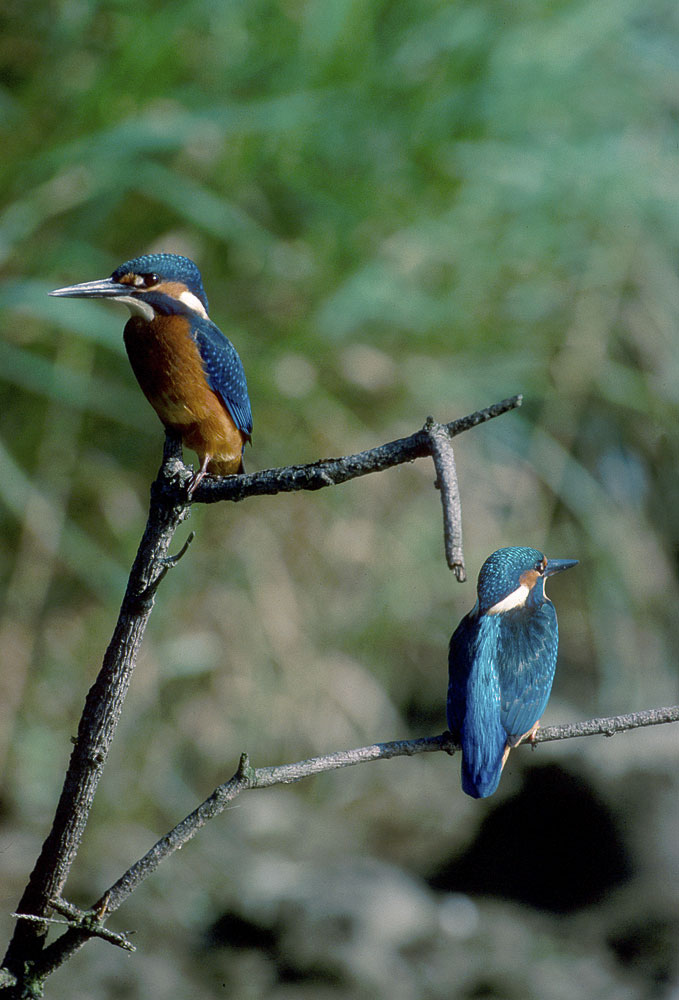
(97, 727)
(446, 482)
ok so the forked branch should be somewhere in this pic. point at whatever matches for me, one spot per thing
(27, 962)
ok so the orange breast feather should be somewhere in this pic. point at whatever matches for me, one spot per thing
(169, 369)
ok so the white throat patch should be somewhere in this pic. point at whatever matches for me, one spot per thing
(137, 307)
(194, 303)
(516, 599)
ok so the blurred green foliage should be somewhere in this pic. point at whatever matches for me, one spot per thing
(399, 208)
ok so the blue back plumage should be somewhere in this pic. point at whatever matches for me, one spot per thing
(224, 371)
(474, 705)
(502, 659)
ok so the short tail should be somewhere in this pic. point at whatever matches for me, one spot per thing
(482, 763)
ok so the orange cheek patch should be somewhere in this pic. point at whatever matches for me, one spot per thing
(529, 578)
(172, 288)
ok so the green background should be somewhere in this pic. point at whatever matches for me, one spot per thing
(399, 209)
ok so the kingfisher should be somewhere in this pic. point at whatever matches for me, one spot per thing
(501, 663)
(187, 368)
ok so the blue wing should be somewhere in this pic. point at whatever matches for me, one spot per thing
(460, 666)
(224, 370)
(526, 660)
(474, 703)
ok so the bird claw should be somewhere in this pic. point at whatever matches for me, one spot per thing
(194, 483)
(531, 736)
(198, 477)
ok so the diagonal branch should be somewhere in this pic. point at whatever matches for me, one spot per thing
(98, 723)
(247, 778)
(333, 471)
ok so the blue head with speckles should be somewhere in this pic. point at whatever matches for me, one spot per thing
(168, 267)
(506, 570)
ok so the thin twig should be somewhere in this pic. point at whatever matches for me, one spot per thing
(85, 924)
(171, 561)
(91, 921)
(446, 482)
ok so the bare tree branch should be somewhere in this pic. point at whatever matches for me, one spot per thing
(103, 707)
(248, 778)
(333, 471)
(608, 727)
(26, 961)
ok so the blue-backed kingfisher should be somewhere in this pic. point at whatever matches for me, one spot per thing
(501, 663)
(188, 370)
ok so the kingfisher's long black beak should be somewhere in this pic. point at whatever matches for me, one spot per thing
(103, 288)
(558, 565)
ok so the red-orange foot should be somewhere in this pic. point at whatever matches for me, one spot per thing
(197, 477)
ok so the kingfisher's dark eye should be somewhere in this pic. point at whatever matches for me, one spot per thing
(541, 565)
(150, 279)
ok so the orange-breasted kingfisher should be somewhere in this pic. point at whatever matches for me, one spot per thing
(187, 369)
(501, 663)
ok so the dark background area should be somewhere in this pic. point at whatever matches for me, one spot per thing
(399, 209)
